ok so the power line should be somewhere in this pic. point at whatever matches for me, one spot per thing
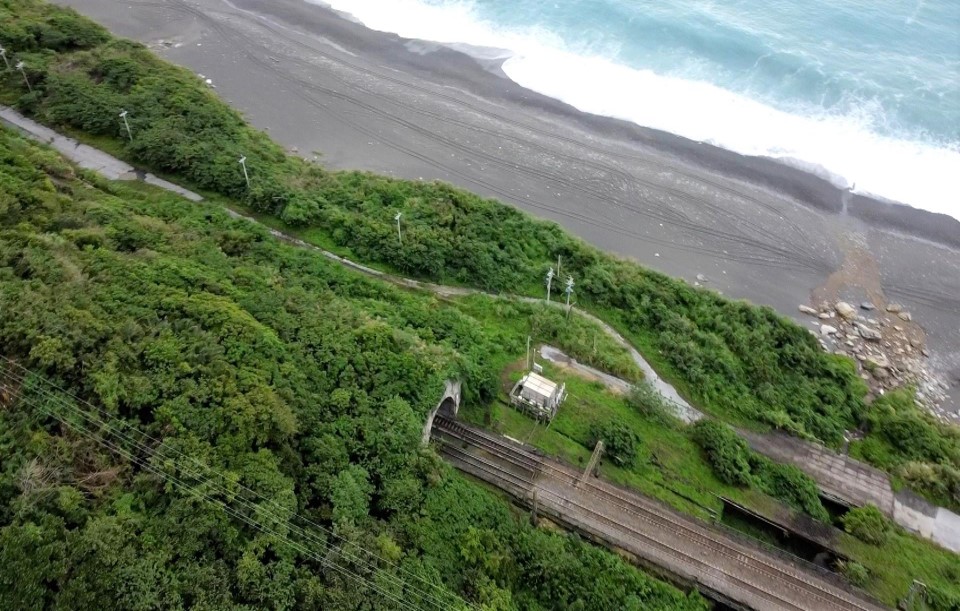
(145, 464)
(320, 527)
(143, 447)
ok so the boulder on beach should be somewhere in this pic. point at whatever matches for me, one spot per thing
(868, 333)
(827, 330)
(893, 308)
(845, 310)
(807, 310)
(866, 305)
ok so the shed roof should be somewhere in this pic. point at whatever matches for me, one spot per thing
(539, 384)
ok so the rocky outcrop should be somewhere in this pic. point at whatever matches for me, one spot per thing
(886, 345)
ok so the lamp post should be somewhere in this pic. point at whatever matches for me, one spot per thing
(243, 164)
(20, 66)
(3, 54)
(399, 235)
(569, 291)
(123, 115)
(549, 282)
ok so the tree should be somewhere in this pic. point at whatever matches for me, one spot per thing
(351, 496)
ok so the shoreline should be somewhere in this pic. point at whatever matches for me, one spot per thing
(753, 228)
(805, 186)
(808, 166)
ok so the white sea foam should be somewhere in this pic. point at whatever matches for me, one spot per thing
(842, 147)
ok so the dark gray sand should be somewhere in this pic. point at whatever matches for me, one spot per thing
(754, 228)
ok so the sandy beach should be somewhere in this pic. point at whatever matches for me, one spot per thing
(751, 228)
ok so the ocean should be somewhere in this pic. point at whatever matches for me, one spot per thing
(865, 93)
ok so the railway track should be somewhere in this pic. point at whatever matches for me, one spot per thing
(751, 577)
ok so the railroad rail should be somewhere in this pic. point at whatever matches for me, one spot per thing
(696, 552)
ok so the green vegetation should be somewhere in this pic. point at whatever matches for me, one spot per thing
(736, 360)
(279, 370)
(867, 524)
(912, 445)
(939, 599)
(238, 382)
(575, 335)
(619, 441)
(893, 566)
(855, 573)
(671, 466)
(667, 463)
(649, 403)
(736, 464)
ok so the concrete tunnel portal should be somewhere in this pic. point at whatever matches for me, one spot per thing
(449, 406)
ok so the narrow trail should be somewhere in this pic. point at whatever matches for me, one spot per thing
(833, 476)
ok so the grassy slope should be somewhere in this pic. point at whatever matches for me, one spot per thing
(670, 466)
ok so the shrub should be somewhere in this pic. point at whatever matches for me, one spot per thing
(726, 451)
(790, 485)
(867, 524)
(736, 464)
(855, 573)
(619, 441)
(910, 443)
(646, 400)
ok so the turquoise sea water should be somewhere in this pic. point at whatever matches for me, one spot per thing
(864, 92)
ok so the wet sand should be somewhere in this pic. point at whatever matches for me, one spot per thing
(756, 229)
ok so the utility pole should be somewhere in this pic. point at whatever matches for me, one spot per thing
(558, 265)
(399, 235)
(243, 164)
(594, 458)
(549, 282)
(3, 54)
(20, 66)
(123, 115)
(529, 366)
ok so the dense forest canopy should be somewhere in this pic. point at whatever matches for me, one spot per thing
(193, 414)
(736, 360)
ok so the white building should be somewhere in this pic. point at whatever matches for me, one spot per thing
(537, 396)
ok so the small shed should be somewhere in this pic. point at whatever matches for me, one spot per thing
(538, 396)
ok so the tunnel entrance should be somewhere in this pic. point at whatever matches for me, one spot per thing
(448, 408)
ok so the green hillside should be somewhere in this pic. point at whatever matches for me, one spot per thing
(738, 361)
(196, 415)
